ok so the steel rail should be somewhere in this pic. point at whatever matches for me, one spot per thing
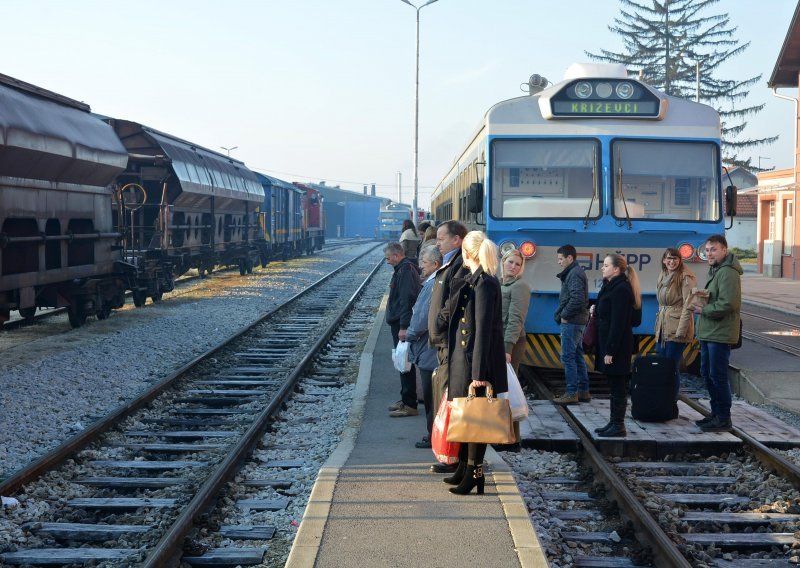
(666, 553)
(767, 456)
(80, 440)
(168, 550)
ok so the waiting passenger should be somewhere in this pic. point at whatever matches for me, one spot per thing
(410, 240)
(674, 321)
(618, 311)
(719, 327)
(516, 300)
(422, 354)
(403, 291)
(449, 237)
(572, 315)
(476, 351)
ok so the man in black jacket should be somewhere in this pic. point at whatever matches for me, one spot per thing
(403, 290)
(572, 314)
(449, 236)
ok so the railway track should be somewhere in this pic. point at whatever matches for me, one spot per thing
(32, 317)
(740, 509)
(157, 464)
(782, 335)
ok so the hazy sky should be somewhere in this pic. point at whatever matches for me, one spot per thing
(314, 90)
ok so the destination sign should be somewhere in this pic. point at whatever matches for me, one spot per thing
(605, 108)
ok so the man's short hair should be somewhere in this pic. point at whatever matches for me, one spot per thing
(719, 239)
(394, 248)
(455, 228)
(567, 250)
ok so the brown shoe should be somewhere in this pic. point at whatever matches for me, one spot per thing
(584, 396)
(404, 411)
(566, 399)
(396, 405)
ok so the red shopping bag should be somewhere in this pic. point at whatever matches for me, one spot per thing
(445, 452)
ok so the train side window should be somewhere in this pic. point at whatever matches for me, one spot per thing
(52, 249)
(19, 258)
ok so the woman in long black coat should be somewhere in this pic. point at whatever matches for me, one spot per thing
(476, 351)
(618, 311)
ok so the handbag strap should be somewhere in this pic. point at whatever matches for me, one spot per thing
(489, 391)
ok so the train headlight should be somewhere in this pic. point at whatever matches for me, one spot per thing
(528, 249)
(624, 90)
(701, 252)
(583, 90)
(686, 250)
(506, 247)
(604, 90)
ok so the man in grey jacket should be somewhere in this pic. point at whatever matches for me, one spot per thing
(572, 314)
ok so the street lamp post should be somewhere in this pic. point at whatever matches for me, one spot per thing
(228, 150)
(416, 114)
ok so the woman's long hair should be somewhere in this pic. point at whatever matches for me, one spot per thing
(477, 246)
(408, 224)
(680, 272)
(509, 254)
(618, 261)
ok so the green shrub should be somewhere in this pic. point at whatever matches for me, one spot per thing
(743, 254)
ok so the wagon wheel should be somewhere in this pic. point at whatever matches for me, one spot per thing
(139, 298)
(104, 311)
(77, 316)
(157, 296)
(249, 266)
(27, 313)
(242, 268)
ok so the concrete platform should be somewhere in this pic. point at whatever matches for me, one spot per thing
(376, 503)
(758, 373)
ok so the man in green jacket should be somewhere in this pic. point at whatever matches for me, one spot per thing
(718, 327)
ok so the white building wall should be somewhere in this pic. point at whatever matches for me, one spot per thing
(742, 234)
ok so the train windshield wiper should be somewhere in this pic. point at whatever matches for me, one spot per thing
(594, 193)
(622, 193)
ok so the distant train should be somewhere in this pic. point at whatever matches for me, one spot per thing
(92, 207)
(601, 161)
(391, 219)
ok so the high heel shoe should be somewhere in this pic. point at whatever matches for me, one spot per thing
(473, 477)
(458, 475)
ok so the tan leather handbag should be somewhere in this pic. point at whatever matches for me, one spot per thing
(480, 419)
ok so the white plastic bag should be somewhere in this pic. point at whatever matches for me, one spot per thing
(515, 395)
(400, 357)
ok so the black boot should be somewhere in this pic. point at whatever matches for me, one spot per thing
(617, 429)
(456, 478)
(602, 428)
(473, 477)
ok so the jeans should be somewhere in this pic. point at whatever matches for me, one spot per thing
(673, 350)
(408, 381)
(576, 375)
(714, 359)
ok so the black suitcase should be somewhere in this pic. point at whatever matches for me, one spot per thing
(653, 386)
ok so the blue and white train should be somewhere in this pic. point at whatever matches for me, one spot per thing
(601, 161)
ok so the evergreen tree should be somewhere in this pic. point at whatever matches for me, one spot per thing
(669, 40)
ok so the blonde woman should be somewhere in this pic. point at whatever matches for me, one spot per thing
(618, 311)
(476, 350)
(516, 300)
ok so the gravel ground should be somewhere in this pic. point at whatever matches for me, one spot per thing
(54, 386)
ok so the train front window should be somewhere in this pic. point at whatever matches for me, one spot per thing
(673, 181)
(545, 179)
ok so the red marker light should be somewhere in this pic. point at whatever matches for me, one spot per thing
(528, 249)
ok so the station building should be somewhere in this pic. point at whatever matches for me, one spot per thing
(777, 190)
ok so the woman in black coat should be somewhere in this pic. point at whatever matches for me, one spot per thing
(476, 351)
(618, 311)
